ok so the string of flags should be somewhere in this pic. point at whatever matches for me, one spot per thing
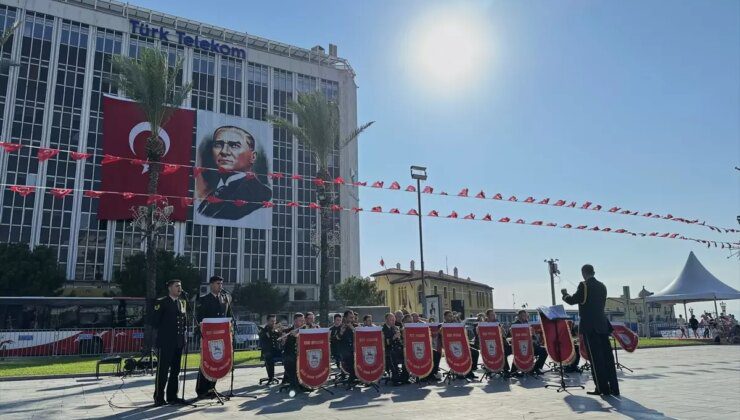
(157, 199)
(43, 154)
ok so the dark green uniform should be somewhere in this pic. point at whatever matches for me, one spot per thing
(169, 320)
(211, 306)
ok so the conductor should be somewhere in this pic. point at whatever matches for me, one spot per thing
(595, 328)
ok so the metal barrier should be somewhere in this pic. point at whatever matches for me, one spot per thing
(89, 342)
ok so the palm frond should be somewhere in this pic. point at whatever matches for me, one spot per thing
(355, 133)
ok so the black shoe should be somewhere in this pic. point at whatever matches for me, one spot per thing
(594, 393)
(159, 403)
(177, 401)
(471, 375)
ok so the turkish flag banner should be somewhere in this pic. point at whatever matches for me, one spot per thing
(625, 336)
(313, 357)
(558, 341)
(369, 354)
(583, 348)
(522, 347)
(456, 347)
(491, 346)
(125, 135)
(216, 348)
(417, 349)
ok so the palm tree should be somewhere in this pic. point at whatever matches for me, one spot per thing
(4, 38)
(152, 84)
(318, 130)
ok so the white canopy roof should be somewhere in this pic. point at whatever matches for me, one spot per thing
(694, 284)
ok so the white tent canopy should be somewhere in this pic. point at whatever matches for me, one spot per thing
(694, 284)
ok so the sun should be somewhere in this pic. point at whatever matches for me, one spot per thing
(449, 50)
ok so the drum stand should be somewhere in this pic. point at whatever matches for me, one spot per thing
(616, 358)
(562, 386)
(489, 374)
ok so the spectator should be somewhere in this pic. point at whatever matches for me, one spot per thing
(694, 324)
(682, 326)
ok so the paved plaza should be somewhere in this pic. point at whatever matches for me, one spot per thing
(682, 382)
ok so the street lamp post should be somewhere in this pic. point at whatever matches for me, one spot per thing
(553, 269)
(419, 173)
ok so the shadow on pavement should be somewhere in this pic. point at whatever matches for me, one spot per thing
(495, 386)
(633, 409)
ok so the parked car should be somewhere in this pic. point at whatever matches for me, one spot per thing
(246, 336)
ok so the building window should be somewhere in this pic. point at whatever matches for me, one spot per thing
(226, 250)
(444, 292)
(255, 247)
(435, 290)
(204, 81)
(257, 78)
(282, 189)
(231, 86)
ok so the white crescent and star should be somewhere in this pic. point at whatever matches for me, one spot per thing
(146, 127)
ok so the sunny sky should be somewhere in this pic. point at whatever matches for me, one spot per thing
(632, 104)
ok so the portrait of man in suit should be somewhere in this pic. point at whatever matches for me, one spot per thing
(235, 189)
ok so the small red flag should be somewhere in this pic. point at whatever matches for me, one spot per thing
(395, 186)
(471, 216)
(240, 203)
(463, 193)
(537, 223)
(614, 209)
(154, 199)
(412, 212)
(212, 199)
(520, 221)
(318, 182)
(504, 220)
(545, 201)
(567, 226)
(169, 168)
(428, 190)
(338, 180)
(92, 194)
(10, 147)
(382, 263)
(315, 206)
(356, 209)
(586, 205)
(268, 204)
(395, 211)
(487, 217)
(292, 204)
(433, 213)
(560, 203)
(377, 209)
(377, 184)
(572, 205)
(552, 224)
(529, 200)
(60, 192)
(128, 195)
(186, 201)
(109, 159)
(296, 177)
(582, 227)
(79, 155)
(443, 193)
(597, 207)
(45, 154)
(360, 184)
(336, 207)
(22, 190)
(481, 194)
(410, 188)
(498, 196)
(595, 228)
(452, 215)
(512, 198)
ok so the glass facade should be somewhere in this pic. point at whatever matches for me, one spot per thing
(53, 98)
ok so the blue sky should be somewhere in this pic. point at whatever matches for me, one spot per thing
(635, 104)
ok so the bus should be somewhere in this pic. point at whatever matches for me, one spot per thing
(51, 326)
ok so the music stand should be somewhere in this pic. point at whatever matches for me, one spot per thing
(557, 313)
(616, 357)
(233, 361)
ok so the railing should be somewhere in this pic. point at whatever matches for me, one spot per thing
(89, 342)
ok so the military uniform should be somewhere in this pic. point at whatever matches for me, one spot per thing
(211, 306)
(394, 355)
(170, 317)
(346, 350)
(334, 344)
(270, 349)
(290, 358)
(595, 329)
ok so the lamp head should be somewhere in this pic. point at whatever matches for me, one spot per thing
(419, 172)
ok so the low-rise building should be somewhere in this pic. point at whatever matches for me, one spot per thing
(403, 289)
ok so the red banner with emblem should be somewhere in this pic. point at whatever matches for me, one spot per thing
(216, 348)
(456, 347)
(125, 135)
(583, 348)
(558, 340)
(522, 347)
(369, 354)
(313, 357)
(417, 349)
(491, 342)
(625, 336)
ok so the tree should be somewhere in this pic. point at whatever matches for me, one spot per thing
(318, 130)
(169, 266)
(26, 272)
(152, 84)
(356, 291)
(6, 36)
(260, 297)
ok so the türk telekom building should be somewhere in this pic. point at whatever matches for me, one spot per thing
(53, 99)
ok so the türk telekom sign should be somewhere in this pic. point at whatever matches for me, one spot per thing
(182, 38)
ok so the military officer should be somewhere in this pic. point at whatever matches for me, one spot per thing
(595, 328)
(216, 304)
(169, 319)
